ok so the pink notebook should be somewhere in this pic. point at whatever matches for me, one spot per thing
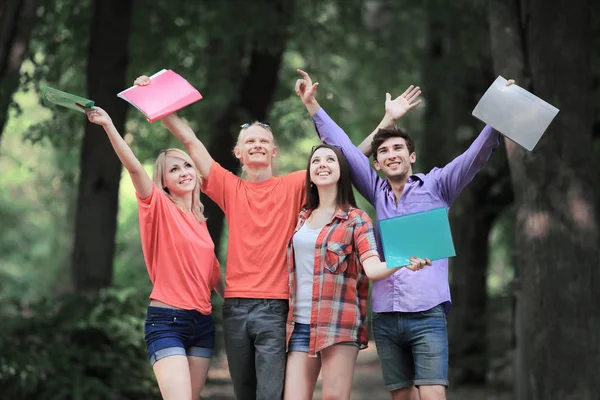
(167, 93)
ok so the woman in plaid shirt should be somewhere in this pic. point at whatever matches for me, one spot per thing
(330, 256)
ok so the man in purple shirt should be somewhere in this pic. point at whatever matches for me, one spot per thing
(409, 309)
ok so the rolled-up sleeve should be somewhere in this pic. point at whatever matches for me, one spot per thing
(364, 235)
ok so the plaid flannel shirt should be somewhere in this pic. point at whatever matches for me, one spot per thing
(340, 286)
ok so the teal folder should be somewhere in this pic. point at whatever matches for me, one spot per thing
(424, 234)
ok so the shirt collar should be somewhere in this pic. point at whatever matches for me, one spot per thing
(415, 177)
(340, 213)
(411, 179)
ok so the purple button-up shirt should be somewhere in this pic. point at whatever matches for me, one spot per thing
(405, 290)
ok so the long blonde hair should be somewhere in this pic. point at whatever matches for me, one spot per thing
(159, 173)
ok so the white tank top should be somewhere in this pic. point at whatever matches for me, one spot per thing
(304, 242)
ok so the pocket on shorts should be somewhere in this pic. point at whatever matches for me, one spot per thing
(161, 320)
(336, 257)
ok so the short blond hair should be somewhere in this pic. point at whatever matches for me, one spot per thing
(274, 166)
(160, 168)
(255, 123)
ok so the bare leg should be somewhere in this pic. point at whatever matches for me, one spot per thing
(338, 370)
(173, 376)
(301, 376)
(409, 393)
(432, 392)
(198, 372)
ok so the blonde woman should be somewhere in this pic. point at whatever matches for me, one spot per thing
(180, 259)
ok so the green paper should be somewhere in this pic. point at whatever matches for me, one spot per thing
(65, 99)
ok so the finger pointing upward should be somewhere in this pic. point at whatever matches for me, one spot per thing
(305, 76)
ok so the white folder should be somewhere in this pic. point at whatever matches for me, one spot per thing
(516, 113)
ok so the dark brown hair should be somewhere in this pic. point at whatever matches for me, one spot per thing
(391, 132)
(345, 195)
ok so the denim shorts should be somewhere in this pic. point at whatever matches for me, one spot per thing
(170, 331)
(300, 339)
(412, 347)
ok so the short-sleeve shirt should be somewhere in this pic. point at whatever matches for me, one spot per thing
(261, 217)
(340, 286)
(179, 254)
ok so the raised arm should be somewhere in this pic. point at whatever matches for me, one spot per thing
(364, 177)
(394, 110)
(193, 145)
(306, 90)
(141, 181)
(186, 136)
(457, 174)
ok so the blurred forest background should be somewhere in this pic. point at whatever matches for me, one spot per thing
(73, 285)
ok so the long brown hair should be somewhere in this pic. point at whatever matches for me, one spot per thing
(345, 195)
(160, 168)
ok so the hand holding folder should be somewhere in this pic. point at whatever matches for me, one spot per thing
(516, 113)
(424, 234)
(166, 93)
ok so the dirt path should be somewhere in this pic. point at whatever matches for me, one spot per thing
(367, 383)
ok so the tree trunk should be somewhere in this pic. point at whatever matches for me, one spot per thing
(509, 61)
(251, 102)
(17, 18)
(472, 217)
(556, 216)
(97, 205)
(457, 83)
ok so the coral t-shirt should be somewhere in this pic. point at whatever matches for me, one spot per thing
(261, 217)
(179, 254)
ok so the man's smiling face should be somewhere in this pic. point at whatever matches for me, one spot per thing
(394, 159)
(255, 147)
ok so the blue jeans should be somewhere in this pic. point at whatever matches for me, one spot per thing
(170, 331)
(412, 347)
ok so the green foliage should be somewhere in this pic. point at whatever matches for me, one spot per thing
(501, 269)
(39, 175)
(77, 347)
(34, 235)
(57, 58)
